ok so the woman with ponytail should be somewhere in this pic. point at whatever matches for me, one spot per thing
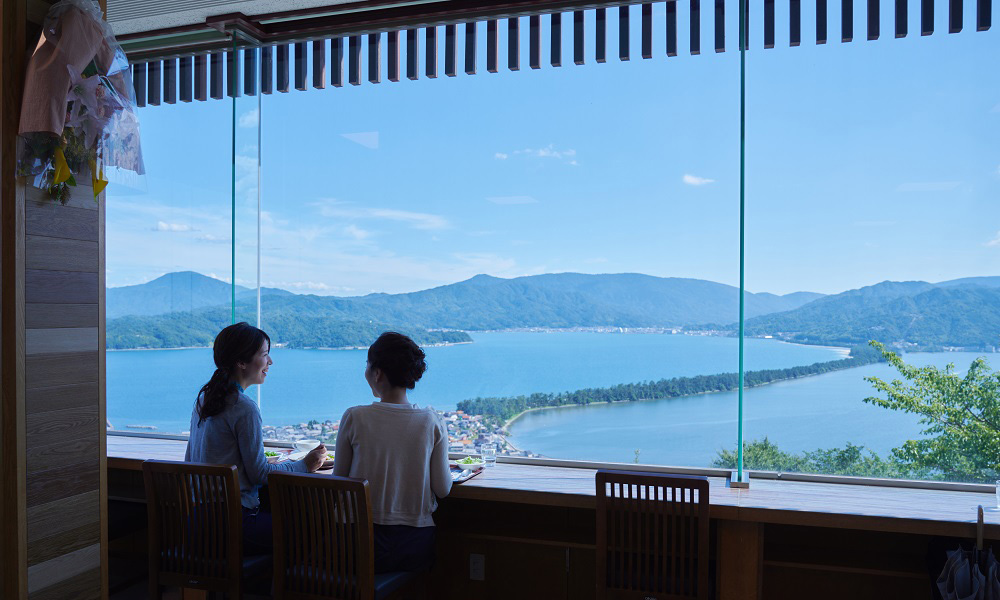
(226, 427)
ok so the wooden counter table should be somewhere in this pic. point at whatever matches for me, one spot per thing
(777, 539)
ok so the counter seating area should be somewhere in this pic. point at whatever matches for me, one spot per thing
(533, 527)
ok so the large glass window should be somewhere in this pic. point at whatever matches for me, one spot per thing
(565, 242)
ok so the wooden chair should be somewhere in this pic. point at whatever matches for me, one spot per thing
(652, 536)
(196, 528)
(324, 541)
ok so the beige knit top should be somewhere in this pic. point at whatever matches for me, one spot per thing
(402, 451)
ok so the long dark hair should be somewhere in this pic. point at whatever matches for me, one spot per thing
(234, 344)
(399, 357)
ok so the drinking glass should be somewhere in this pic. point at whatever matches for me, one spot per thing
(490, 454)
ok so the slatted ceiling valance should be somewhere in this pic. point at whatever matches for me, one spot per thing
(267, 68)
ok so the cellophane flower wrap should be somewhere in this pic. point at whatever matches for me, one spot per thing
(78, 114)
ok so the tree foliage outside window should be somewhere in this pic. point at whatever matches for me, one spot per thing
(961, 418)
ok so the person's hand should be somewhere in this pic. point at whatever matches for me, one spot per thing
(315, 459)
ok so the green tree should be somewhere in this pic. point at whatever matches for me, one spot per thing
(762, 455)
(961, 416)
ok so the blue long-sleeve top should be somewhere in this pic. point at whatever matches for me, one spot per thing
(235, 437)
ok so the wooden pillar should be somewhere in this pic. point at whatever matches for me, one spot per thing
(53, 532)
(741, 560)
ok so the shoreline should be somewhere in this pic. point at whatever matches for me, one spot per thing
(435, 345)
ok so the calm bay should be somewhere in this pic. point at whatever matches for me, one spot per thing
(157, 388)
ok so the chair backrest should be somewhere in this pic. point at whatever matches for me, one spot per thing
(652, 536)
(323, 540)
(195, 525)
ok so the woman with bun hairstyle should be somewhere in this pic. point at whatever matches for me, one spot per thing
(402, 451)
(226, 426)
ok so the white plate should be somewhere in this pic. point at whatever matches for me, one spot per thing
(301, 455)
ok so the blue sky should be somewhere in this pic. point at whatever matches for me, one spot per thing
(865, 162)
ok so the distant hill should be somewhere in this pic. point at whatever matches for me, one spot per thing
(981, 281)
(480, 303)
(176, 292)
(929, 316)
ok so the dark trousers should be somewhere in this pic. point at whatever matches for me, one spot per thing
(257, 536)
(403, 548)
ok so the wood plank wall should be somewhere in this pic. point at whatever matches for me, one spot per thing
(52, 424)
(64, 414)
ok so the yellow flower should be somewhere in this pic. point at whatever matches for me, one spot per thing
(62, 169)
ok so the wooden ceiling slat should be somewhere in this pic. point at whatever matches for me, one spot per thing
(535, 42)
(513, 44)
(984, 14)
(901, 19)
(354, 60)
(319, 64)
(671, 28)
(746, 24)
(139, 83)
(846, 20)
(955, 16)
(623, 33)
(392, 49)
(820, 21)
(926, 17)
(281, 66)
(492, 46)
(412, 56)
(450, 51)
(720, 25)
(600, 35)
(233, 73)
(170, 81)
(186, 72)
(430, 53)
(795, 22)
(555, 39)
(153, 81)
(374, 57)
(266, 69)
(250, 71)
(201, 78)
(578, 37)
(695, 29)
(768, 24)
(301, 66)
(470, 48)
(647, 30)
(337, 62)
(874, 16)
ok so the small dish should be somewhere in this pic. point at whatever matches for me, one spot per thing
(467, 466)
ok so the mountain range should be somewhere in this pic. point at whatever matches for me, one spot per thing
(961, 312)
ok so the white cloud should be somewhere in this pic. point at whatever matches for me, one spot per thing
(416, 220)
(368, 139)
(172, 227)
(995, 241)
(512, 200)
(251, 118)
(549, 151)
(212, 239)
(928, 186)
(356, 232)
(695, 180)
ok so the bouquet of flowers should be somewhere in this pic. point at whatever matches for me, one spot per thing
(78, 111)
